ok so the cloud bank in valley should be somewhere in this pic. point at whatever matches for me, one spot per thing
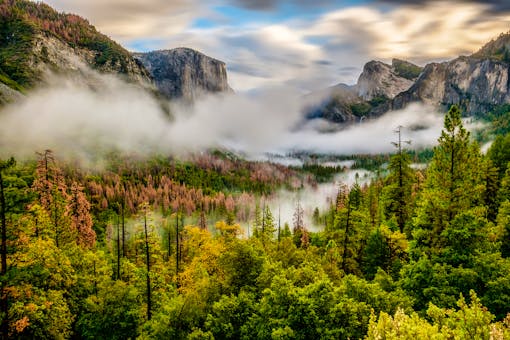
(74, 120)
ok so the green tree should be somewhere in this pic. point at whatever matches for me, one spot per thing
(3, 250)
(454, 184)
(469, 321)
(499, 153)
(111, 314)
(398, 190)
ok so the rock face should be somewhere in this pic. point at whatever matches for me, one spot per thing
(377, 85)
(476, 85)
(382, 80)
(335, 104)
(8, 95)
(185, 73)
(52, 54)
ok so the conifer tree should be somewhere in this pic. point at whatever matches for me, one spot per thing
(454, 183)
(400, 180)
(51, 188)
(79, 208)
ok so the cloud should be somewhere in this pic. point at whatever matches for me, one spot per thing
(285, 49)
(344, 40)
(273, 5)
(422, 125)
(131, 19)
(78, 122)
(434, 31)
(260, 5)
(493, 5)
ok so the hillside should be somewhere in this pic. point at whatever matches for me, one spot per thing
(496, 49)
(34, 39)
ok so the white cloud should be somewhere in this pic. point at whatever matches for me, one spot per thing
(307, 53)
(133, 19)
(76, 121)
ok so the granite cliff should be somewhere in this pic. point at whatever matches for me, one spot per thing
(185, 73)
(476, 83)
(36, 40)
(371, 96)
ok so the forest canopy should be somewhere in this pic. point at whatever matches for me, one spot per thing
(165, 248)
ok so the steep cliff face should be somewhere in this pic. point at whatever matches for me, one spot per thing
(377, 85)
(8, 95)
(185, 73)
(382, 80)
(476, 85)
(496, 49)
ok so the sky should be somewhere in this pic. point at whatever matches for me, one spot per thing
(305, 45)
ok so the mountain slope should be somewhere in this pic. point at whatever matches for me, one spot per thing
(34, 39)
(371, 96)
(477, 84)
(185, 73)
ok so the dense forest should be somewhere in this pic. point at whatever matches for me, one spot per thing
(163, 248)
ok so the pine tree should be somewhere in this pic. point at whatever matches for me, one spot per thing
(268, 225)
(398, 191)
(301, 236)
(51, 189)
(454, 183)
(79, 208)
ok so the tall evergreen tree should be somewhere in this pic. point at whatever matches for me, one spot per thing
(50, 186)
(454, 184)
(398, 191)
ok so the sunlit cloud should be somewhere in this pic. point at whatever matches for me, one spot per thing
(306, 52)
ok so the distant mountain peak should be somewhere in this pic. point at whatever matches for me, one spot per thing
(382, 80)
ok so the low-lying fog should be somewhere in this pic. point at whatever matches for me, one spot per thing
(74, 120)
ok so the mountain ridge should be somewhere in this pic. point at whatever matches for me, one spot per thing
(476, 83)
(36, 40)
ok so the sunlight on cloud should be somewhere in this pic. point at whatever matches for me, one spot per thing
(273, 53)
(438, 30)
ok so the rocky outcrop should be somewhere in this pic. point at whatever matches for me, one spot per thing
(476, 85)
(334, 104)
(36, 40)
(50, 54)
(185, 73)
(382, 80)
(377, 85)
